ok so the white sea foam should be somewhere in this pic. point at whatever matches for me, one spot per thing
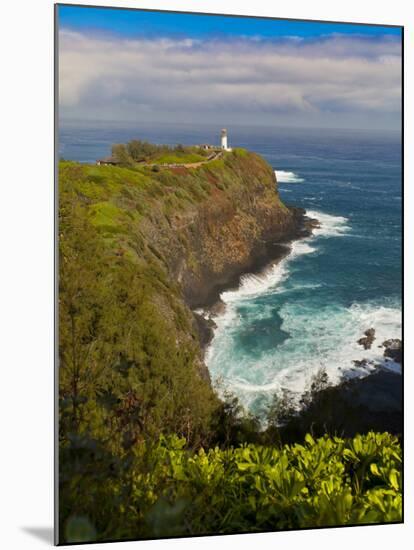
(257, 284)
(330, 226)
(254, 284)
(287, 177)
(325, 337)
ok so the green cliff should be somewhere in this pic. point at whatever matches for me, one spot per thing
(138, 248)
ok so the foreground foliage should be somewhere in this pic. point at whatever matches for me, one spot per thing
(168, 491)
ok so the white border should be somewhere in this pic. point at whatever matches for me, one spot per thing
(26, 218)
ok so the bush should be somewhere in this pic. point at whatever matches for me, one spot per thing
(170, 491)
(121, 154)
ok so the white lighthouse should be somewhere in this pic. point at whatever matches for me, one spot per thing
(223, 143)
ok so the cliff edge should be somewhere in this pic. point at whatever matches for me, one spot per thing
(139, 248)
(218, 222)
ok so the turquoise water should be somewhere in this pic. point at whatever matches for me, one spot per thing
(309, 310)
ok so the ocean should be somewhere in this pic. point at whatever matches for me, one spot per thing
(307, 311)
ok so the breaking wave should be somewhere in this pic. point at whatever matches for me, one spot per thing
(254, 284)
(287, 177)
(330, 226)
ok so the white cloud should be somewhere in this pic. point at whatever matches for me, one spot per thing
(124, 78)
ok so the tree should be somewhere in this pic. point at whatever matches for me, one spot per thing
(141, 150)
(120, 153)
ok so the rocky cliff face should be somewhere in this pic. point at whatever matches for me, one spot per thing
(181, 234)
(234, 229)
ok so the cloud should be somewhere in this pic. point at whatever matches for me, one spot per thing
(241, 78)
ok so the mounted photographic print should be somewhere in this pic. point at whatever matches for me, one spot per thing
(229, 271)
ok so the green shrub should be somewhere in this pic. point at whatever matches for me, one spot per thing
(171, 491)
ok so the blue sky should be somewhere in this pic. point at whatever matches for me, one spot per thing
(161, 66)
(135, 22)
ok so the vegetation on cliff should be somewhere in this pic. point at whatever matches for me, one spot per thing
(138, 248)
(131, 243)
(137, 151)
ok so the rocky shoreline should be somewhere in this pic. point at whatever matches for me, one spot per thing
(392, 349)
(269, 250)
(269, 254)
(268, 246)
(356, 405)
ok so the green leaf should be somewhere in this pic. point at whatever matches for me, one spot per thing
(309, 439)
(393, 477)
(374, 469)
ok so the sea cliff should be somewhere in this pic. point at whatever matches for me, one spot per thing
(200, 227)
(231, 227)
(140, 248)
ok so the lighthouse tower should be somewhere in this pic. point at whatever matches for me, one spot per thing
(224, 140)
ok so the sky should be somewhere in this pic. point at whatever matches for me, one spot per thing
(145, 66)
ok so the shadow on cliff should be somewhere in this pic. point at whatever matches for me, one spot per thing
(373, 403)
(357, 406)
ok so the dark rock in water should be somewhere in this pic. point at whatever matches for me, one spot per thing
(218, 308)
(312, 223)
(393, 349)
(205, 328)
(392, 343)
(367, 364)
(360, 362)
(368, 339)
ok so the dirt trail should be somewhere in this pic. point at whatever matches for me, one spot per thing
(217, 155)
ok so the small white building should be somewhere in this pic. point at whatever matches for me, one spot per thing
(223, 142)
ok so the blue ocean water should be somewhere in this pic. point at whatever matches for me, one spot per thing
(306, 312)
